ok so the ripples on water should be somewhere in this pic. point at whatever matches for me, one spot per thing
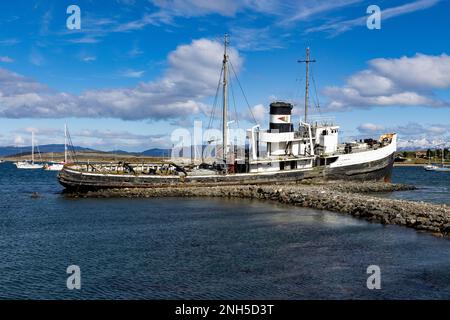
(432, 186)
(202, 248)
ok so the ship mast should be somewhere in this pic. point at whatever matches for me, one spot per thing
(225, 101)
(65, 143)
(32, 147)
(307, 61)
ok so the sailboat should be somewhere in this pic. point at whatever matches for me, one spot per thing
(28, 164)
(294, 152)
(442, 168)
(57, 166)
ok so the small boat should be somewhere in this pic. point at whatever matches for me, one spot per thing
(442, 169)
(58, 166)
(54, 166)
(433, 167)
(29, 164)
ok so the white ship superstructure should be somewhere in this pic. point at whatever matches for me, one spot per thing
(313, 144)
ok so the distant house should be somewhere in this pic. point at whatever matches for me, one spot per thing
(421, 154)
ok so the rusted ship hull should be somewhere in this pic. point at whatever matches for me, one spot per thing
(378, 170)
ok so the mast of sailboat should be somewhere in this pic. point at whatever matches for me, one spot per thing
(307, 61)
(32, 147)
(225, 101)
(65, 143)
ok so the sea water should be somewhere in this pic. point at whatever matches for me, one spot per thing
(208, 248)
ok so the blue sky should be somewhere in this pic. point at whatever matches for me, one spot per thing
(138, 69)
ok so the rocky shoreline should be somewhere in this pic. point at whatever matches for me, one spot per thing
(355, 199)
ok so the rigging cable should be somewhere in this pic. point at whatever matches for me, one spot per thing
(234, 103)
(317, 96)
(211, 118)
(243, 93)
(72, 148)
(296, 99)
(39, 152)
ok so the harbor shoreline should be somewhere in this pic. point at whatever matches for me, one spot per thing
(357, 199)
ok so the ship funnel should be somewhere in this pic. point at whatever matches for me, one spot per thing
(280, 117)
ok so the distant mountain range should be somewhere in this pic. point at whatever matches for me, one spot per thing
(56, 148)
(154, 152)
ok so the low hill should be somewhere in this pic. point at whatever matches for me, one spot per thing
(47, 148)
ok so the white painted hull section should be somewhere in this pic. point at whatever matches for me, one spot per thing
(28, 165)
(365, 156)
(54, 167)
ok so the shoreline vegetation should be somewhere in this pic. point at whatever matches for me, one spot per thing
(358, 199)
(402, 164)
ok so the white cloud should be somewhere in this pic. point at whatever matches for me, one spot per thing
(19, 140)
(36, 58)
(284, 13)
(421, 71)
(6, 59)
(89, 58)
(135, 52)
(190, 8)
(288, 10)
(191, 76)
(257, 39)
(258, 113)
(45, 22)
(371, 84)
(133, 73)
(412, 135)
(155, 19)
(370, 128)
(413, 129)
(90, 138)
(309, 9)
(126, 2)
(335, 28)
(85, 40)
(281, 15)
(407, 81)
(9, 42)
(422, 143)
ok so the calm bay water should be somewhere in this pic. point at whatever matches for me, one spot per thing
(208, 248)
(432, 186)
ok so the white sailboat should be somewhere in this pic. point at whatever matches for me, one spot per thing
(28, 164)
(429, 166)
(442, 168)
(57, 166)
